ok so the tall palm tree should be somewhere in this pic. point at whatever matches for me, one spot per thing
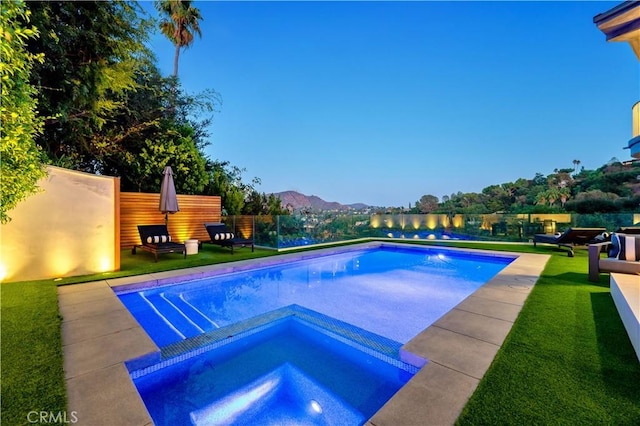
(179, 23)
(576, 163)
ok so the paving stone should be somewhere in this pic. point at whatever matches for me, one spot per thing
(74, 311)
(105, 351)
(459, 352)
(481, 327)
(106, 397)
(501, 295)
(97, 325)
(77, 297)
(435, 396)
(490, 308)
(64, 289)
(117, 282)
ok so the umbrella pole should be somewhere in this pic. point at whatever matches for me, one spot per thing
(166, 219)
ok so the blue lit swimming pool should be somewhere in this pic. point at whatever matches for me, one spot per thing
(313, 341)
(391, 291)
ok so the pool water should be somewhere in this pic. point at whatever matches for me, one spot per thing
(394, 292)
(287, 372)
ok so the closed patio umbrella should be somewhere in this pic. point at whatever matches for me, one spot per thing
(168, 198)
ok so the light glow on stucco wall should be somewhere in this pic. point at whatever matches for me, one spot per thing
(416, 221)
(432, 221)
(68, 228)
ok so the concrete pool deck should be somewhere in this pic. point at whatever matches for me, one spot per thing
(99, 335)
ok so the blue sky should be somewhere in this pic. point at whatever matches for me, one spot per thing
(383, 102)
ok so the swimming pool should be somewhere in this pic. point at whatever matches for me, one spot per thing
(299, 341)
(391, 291)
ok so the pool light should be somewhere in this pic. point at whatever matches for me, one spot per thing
(315, 406)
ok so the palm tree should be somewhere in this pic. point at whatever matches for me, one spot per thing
(564, 195)
(179, 23)
(576, 163)
(541, 198)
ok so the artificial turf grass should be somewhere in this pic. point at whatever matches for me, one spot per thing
(32, 375)
(144, 263)
(567, 359)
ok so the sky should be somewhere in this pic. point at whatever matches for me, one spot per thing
(384, 102)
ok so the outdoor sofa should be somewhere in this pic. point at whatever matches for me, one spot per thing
(220, 235)
(156, 239)
(570, 238)
(622, 255)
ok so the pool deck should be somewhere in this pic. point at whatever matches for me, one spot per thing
(99, 335)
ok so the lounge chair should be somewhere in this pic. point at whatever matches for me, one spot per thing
(156, 239)
(220, 235)
(611, 262)
(634, 230)
(569, 238)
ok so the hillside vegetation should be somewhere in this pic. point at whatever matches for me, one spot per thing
(612, 188)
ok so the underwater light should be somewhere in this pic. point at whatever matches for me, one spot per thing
(315, 406)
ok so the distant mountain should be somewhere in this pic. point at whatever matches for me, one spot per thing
(301, 201)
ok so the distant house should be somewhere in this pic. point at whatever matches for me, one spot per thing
(622, 23)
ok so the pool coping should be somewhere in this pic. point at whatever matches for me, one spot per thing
(99, 335)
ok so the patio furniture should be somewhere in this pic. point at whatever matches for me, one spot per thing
(220, 235)
(624, 260)
(569, 238)
(156, 239)
(628, 230)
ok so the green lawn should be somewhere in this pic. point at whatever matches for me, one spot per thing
(567, 360)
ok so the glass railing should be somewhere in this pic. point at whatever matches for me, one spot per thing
(283, 232)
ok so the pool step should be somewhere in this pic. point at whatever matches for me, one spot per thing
(160, 331)
(192, 312)
(170, 313)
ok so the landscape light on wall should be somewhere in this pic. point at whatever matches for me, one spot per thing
(432, 221)
(416, 222)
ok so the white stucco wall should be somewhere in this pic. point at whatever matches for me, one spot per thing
(66, 229)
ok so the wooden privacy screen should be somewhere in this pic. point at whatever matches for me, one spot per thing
(139, 208)
(242, 226)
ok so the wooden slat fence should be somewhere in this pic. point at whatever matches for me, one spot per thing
(139, 208)
(243, 226)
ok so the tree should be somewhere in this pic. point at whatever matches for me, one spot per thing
(261, 203)
(20, 158)
(180, 22)
(226, 181)
(427, 203)
(94, 50)
(178, 150)
(565, 194)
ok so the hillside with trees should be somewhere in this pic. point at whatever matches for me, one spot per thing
(612, 188)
